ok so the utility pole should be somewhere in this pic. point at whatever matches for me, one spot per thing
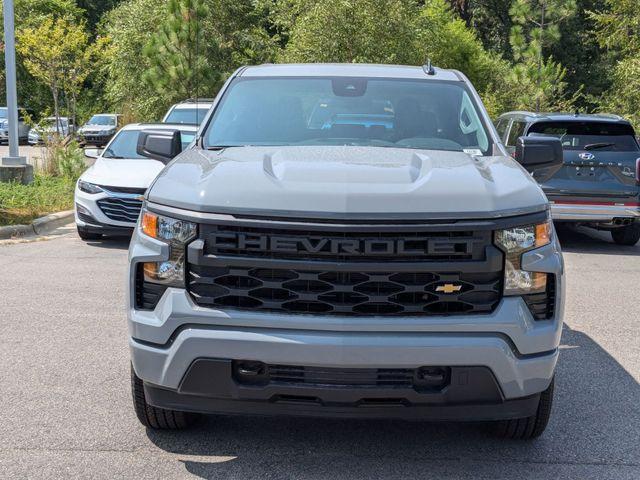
(14, 167)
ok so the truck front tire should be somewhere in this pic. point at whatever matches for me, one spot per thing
(628, 235)
(154, 417)
(530, 427)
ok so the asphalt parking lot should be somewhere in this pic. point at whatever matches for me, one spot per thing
(64, 376)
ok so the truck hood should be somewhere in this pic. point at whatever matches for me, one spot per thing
(116, 172)
(346, 181)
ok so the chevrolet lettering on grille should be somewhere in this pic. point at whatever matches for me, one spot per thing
(246, 242)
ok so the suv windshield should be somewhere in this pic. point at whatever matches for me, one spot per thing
(192, 116)
(125, 143)
(424, 114)
(102, 120)
(603, 136)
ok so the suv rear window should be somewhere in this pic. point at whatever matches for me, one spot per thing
(376, 112)
(603, 136)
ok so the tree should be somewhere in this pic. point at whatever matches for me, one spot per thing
(178, 67)
(390, 31)
(381, 31)
(51, 52)
(618, 30)
(535, 29)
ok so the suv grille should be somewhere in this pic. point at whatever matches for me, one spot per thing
(121, 209)
(364, 270)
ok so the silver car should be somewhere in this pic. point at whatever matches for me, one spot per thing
(24, 116)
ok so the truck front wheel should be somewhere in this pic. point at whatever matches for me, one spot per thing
(154, 417)
(529, 427)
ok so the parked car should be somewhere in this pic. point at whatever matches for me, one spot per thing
(598, 184)
(24, 115)
(108, 195)
(47, 129)
(99, 129)
(403, 267)
(190, 111)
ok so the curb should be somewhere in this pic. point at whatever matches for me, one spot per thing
(38, 226)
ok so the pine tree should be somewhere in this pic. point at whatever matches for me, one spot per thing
(178, 66)
(535, 29)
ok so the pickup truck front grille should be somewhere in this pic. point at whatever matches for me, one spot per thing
(347, 293)
(121, 209)
(361, 270)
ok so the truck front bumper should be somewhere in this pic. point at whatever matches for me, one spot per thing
(185, 354)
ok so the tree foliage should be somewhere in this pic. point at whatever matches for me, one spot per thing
(535, 29)
(138, 56)
(56, 52)
(618, 30)
(178, 55)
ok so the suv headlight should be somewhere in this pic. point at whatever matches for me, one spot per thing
(88, 187)
(514, 242)
(177, 234)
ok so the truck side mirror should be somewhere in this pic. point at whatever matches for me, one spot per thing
(538, 152)
(162, 145)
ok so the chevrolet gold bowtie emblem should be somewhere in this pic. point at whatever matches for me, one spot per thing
(448, 288)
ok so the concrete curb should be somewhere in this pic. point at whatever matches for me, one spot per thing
(38, 227)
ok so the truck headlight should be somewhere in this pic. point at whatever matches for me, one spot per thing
(88, 187)
(176, 233)
(514, 242)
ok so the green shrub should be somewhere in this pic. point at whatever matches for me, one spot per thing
(47, 194)
(65, 160)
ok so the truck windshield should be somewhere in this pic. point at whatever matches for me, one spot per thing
(380, 112)
(125, 143)
(602, 136)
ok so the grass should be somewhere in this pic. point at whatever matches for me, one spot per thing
(23, 203)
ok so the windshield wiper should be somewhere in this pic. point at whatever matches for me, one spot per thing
(217, 148)
(594, 146)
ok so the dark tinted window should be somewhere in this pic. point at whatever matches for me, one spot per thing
(422, 114)
(603, 136)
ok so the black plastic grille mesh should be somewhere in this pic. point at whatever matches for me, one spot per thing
(542, 305)
(388, 377)
(345, 293)
(121, 209)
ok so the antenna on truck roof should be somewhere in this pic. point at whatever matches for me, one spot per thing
(428, 68)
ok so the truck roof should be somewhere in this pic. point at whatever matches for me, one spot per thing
(347, 70)
(533, 117)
